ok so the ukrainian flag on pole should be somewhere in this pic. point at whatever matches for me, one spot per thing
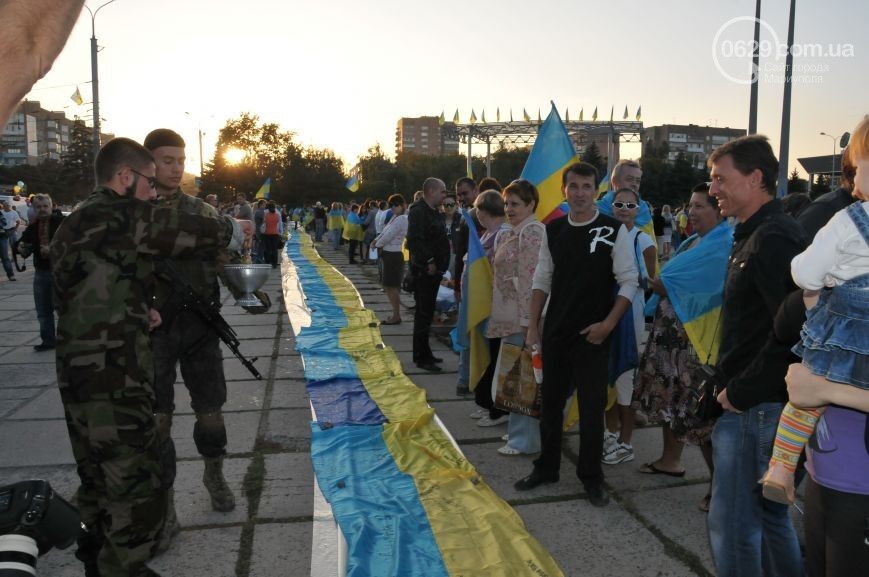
(477, 301)
(552, 153)
(265, 189)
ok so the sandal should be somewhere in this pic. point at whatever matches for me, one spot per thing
(391, 322)
(651, 469)
(509, 451)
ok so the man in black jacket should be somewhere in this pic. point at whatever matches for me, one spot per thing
(822, 209)
(748, 534)
(36, 240)
(429, 258)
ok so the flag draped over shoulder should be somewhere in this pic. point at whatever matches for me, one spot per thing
(476, 302)
(694, 280)
(265, 190)
(352, 183)
(353, 227)
(335, 219)
(552, 153)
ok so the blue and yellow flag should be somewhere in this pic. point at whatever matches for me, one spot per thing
(477, 298)
(552, 153)
(353, 227)
(265, 190)
(335, 219)
(694, 280)
(352, 183)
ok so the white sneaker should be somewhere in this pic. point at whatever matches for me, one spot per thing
(505, 437)
(489, 422)
(479, 414)
(610, 440)
(622, 453)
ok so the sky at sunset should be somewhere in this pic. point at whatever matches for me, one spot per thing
(340, 73)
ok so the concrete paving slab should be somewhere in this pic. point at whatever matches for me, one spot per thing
(289, 367)
(597, 542)
(46, 405)
(25, 354)
(18, 393)
(19, 339)
(9, 406)
(287, 487)
(438, 387)
(240, 396)
(63, 478)
(674, 512)
(194, 551)
(28, 375)
(246, 320)
(282, 549)
(289, 394)
(262, 347)
(23, 324)
(289, 429)
(241, 431)
(33, 443)
(192, 502)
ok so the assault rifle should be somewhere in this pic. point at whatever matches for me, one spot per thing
(186, 298)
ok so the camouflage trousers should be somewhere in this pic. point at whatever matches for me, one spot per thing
(121, 500)
(187, 341)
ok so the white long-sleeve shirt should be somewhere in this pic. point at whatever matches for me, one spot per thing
(837, 254)
(625, 267)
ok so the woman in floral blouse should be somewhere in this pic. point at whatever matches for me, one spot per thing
(514, 263)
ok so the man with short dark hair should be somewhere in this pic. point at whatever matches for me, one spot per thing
(750, 535)
(36, 240)
(587, 271)
(429, 258)
(102, 271)
(185, 339)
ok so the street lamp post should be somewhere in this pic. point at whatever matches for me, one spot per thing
(95, 75)
(833, 167)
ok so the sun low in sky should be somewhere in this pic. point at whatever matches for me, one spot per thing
(340, 73)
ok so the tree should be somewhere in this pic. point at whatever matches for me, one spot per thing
(797, 184)
(77, 163)
(820, 186)
(377, 175)
(592, 156)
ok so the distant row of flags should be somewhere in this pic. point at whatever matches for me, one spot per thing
(472, 119)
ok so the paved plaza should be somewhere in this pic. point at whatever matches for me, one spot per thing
(652, 527)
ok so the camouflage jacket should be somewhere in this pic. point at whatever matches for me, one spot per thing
(200, 269)
(102, 269)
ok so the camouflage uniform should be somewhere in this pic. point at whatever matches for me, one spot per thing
(184, 337)
(102, 274)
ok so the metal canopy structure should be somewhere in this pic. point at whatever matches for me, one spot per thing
(522, 132)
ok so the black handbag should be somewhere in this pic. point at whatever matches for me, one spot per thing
(408, 283)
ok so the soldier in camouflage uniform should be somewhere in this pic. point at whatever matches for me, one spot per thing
(185, 339)
(102, 270)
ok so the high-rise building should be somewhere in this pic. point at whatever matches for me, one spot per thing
(34, 135)
(696, 142)
(423, 135)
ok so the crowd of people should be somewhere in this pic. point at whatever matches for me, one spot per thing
(785, 321)
(580, 289)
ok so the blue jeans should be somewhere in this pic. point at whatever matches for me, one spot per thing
(335, 235)
(5, 245)
(44, 300)
(319, 229)
(750, 536)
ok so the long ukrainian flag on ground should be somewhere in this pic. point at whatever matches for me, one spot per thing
(407, 501)
(694, 280)
(477, 303)
(552, 153)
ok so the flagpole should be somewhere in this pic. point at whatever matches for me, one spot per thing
(755, 74)
(786, 109)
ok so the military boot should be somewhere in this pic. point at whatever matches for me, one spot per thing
(171, 527)
(222, 498)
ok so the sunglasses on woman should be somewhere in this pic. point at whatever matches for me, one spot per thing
(627, 205)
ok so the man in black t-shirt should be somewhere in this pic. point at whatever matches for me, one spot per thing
(588, 272)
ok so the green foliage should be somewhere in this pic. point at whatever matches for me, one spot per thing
(300, 176)
(666, 182)
(77, 163)
(820, 186)
(592, 156)
(797, 184)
